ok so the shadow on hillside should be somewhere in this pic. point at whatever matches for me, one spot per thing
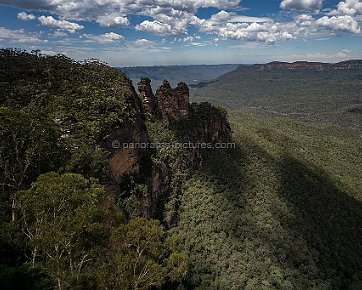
(228, 168)
(329, 220)
(320, 240)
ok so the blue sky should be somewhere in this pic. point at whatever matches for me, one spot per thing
(160, 32)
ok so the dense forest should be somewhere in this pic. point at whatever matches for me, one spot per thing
(56, 230)
(281, 210)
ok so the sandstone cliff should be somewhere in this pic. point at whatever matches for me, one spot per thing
(135, 176)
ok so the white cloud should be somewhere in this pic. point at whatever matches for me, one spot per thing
(230, 26)
(58, 33)
(301, 4)
(109, 37)
(345, 52)
(18, 36)
(221, 16)
(113, 21)
(168, 20)
(242, 18)
(156, 27)
(304, 20)
(189, 38)
(267, 32)
(26, 17)
(348, 7)
(61, 24)
(167, 17)
(224, 16)
(144, 43)
(94, 9)
(175, 17)
(344, 23)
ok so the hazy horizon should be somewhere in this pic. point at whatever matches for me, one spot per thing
(216, 64)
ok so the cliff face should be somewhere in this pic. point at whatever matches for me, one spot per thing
(147, 97)
(170, 107)
(173, 103)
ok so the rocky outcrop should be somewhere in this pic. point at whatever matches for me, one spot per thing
(168, 104)
(147, 98)
(211, 126)
(182, 94)
(201, 123)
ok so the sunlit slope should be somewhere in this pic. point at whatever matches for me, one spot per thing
(333, 96)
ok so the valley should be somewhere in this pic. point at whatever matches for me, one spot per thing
(282, 209)
(190, 74)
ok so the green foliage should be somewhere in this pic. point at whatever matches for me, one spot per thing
(23, 277)
(29, 146)
(140, 257)
(281, 211)
(173, 162)
(332, 96)
(54, 215)
(85, 99)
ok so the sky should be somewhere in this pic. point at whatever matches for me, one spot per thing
(179, 32)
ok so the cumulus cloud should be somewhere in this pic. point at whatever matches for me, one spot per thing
(304, 20)
(224, 16)
(348, 7)
(174, 18)
(229, 26)
(168, 20)
(109, 37)
(93, 9)
(265, 32)
(25, 16)
(18, 36)
(144, 43)
(167, 17)
(301, 4)
(243, 18)
(112, 21)
(344, 23)
(155, 27)
(61, 24)
(189, 38)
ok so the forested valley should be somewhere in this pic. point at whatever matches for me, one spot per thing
(282, 209)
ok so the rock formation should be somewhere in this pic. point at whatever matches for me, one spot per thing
(201, 123)
(182, 94)
(168, 105)
(147, 97)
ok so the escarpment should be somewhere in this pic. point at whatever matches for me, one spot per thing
(305, 66)
(142, 184)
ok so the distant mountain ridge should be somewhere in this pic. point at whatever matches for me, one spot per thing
(190, 74)
(305, 65)
(308, 90)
